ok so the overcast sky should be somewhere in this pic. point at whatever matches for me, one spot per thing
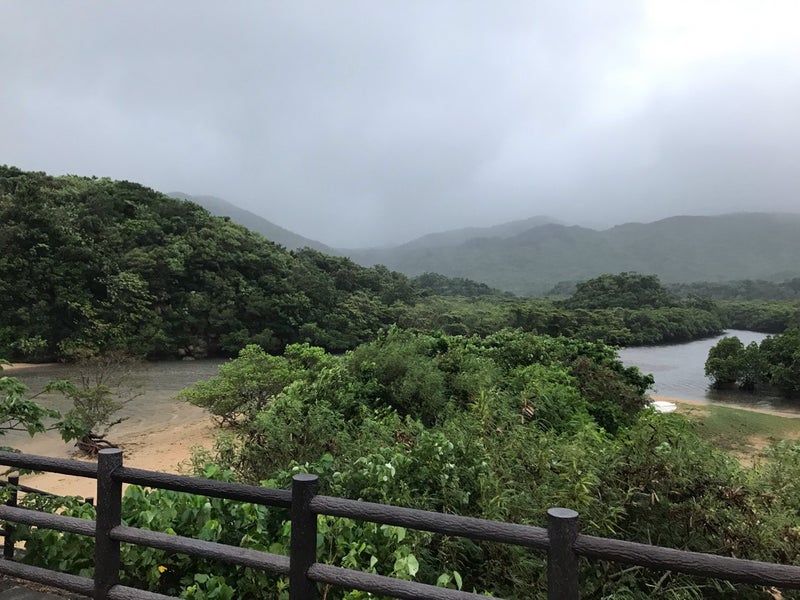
(363, 123)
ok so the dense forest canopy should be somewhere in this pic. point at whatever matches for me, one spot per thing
(96, 264)
(93, 265)
(626, 290)
(775, 363)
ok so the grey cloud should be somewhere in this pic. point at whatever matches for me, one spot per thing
(365, 123)
(729, 143)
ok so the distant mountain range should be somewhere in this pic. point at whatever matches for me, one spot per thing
(677, 249)
(271, 231)
(531, 256)
(455, 237)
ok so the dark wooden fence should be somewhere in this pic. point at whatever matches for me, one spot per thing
(561, 539)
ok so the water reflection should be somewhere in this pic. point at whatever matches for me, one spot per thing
(678, 371)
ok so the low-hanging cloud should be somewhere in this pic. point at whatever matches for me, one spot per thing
(360, 123)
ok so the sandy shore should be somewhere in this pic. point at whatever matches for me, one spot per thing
(163, 446)
(766, 411)
(158, 432)
(20, 366)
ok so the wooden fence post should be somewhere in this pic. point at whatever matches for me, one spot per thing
(562, 562)
(8, 538)
(109, 515)
(303, 546)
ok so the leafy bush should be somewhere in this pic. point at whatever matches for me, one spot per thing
(502, 427)
(775, 362)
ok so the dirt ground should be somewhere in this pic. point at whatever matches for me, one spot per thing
(164, 449)
(751, 447)
(161, 442)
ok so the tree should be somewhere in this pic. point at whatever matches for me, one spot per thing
(20, 412)
(244, 386)
(753, 367)
(625, 290)
(725, 361)
(105, 385)
(781, 354)
(775, 362)
(398, 370)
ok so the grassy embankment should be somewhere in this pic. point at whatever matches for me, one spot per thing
(744, 433)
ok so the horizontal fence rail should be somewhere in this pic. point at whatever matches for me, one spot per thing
(469, 527)
(561, 539)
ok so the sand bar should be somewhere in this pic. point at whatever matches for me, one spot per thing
(19, 366)
(163, 446)
(766, 411)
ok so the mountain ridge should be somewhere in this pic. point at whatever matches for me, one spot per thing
(682, 248)
(272, 231)
(531, 256)
(453, 237)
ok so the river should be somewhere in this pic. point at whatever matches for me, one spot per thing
(153, 386)
(678, 370)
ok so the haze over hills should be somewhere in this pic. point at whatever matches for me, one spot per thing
(677, 249)
(291, 240)
(454, 237)
(271, 231)
(531, 256)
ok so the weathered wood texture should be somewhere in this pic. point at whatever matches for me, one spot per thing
(561, 540)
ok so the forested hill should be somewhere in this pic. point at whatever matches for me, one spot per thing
(455, 237)
(271, 231)
(90, 265)
(678, 249)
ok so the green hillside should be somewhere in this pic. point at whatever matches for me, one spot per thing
(90, 265)
(678, 249)
(271, 231)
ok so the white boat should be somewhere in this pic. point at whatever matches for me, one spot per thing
(663, 406)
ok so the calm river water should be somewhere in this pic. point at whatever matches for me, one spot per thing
(678, 371)
(157, 384)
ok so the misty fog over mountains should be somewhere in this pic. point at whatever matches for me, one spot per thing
(531, 256)
(368, 124)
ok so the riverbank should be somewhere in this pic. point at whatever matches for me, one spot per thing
(764, 411)
(22, 366)
(165, 445)
(157, 431)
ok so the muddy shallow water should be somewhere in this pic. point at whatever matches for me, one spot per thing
(155, 387)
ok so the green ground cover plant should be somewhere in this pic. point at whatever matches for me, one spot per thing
(500, 427)
(742, 432)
